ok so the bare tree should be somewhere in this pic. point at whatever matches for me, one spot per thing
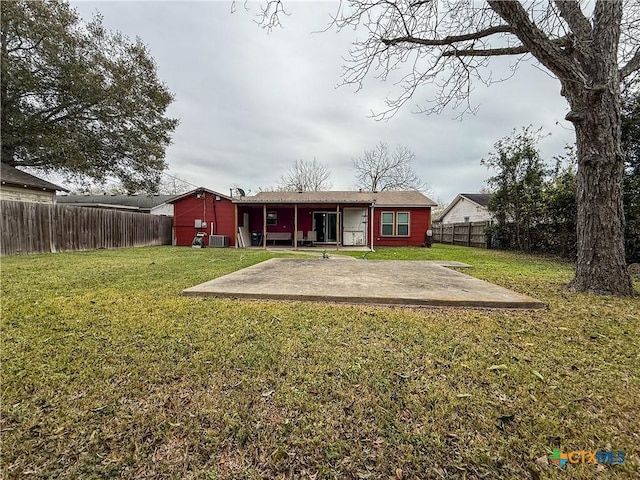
(170, 185)
(379, 169)
(590, 47)
(438, 210)
(306, 176)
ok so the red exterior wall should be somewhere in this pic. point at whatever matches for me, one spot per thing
(219, 213)
(285, 218)
(419, 223)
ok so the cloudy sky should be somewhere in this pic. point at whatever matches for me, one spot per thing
(250, 102)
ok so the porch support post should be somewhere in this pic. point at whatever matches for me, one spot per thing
(235, 223)
(295, 226)
(338, 227)
(264, 226)
(372, 216)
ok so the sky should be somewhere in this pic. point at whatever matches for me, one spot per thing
(251, 102)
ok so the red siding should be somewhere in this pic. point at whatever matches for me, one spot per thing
(285, 218)
(217, 213)
(419, 223)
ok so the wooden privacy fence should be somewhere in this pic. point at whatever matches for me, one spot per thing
(40, 228)
(469, 234)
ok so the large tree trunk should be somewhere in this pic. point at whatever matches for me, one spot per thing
(601, 266)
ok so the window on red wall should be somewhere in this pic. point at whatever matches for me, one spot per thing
(395, 224)
(402, 224)
(387, 223)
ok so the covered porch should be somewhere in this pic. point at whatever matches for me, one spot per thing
(304, 226)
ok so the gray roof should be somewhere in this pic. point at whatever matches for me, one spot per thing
(479, 198)
(175, 198)
(12, 176)
(140, 202)
(411, 198)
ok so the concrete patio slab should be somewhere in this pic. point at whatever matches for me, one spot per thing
(387, 282)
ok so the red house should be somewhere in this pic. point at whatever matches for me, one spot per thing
(333, 218)
(205, 212)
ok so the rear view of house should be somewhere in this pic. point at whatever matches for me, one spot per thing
(333, 218)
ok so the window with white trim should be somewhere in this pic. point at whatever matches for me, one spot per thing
(387, 223)
(402, 224)
(394, 224)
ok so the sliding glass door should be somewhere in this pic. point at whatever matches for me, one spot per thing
(326, 226)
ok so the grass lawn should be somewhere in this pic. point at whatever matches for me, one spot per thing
(108, 373)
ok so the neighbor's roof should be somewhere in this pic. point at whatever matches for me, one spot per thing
(139, 202)
(411, 198)
(12, 176)
(480, 199)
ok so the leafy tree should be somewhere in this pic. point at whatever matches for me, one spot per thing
(590, 47)
(306, 176)
(518, 187)
(79, 100)
(380, 169)
(631, 146)
(559, 229)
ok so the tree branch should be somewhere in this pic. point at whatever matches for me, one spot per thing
(489, 52)
(572, 14)
(20, 47)
(547, 51)
(492, 52)
(632, 65)
(449, 40)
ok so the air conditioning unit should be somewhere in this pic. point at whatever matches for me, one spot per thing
(219, 241)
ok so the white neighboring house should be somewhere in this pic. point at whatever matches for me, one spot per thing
(467, 207)
(19, 186)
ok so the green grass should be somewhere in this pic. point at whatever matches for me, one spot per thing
(108, 373)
